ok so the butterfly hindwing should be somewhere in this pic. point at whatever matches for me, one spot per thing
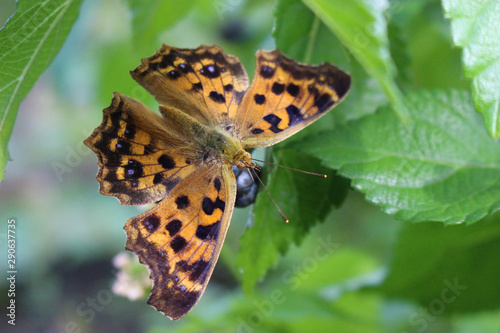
(203, 82)
(180, 238)
(138, 161)
(285, 96)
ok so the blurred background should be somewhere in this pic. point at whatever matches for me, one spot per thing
(68, 234)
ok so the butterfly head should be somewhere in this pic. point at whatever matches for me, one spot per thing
(232, 151)
(243, 159)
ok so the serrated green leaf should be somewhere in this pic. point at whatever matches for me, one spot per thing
(312, 42)
(475, 26)
(269, 236)
(28, 43)
(448, 268)
(361, 27)
(152, 17)
(444, 167)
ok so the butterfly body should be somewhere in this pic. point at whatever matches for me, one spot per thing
(213, 144)
(183, 158)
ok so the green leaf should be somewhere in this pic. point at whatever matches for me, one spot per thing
(355, 265)
(152, 17)
(475, 26)
(299, 40)
(361, 27)
(399, 51)
(312, 42)
(29, 42)
(485, 322)
(448, 268)
(444, 167)
(310, 296)
(269, 236)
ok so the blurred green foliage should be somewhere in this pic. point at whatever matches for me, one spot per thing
(406, 139)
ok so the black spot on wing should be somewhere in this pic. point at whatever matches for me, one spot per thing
(209, 206)
(210, 231)
(122, 147)
(173, 74)
(197, 87)
(178, 243)
(217, 184)
(129, 131)
(323, 102)
(151, 223)
(198, 271)
(158, 178)
(273, 120)
(173, 227)
(293, 89)
(216, 97)
(278, 88)
(259, 99)
(182, 202)
(133, 170)
(210, 71)
(257, 131)
(186, 68)
(166, 162)
(294, 115)
(266, 72)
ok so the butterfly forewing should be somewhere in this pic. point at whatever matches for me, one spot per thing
(285, 96)
(139, 164)
(204, 82)
(180, 238)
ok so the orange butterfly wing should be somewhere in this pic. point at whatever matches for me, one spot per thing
(180, 238)
(139, 158)
(203, 82)
(285, 96)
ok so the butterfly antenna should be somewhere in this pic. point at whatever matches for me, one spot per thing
(251, 176)
(293, 169)
(269, 194)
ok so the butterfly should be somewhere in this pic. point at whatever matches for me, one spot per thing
(183, 157)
